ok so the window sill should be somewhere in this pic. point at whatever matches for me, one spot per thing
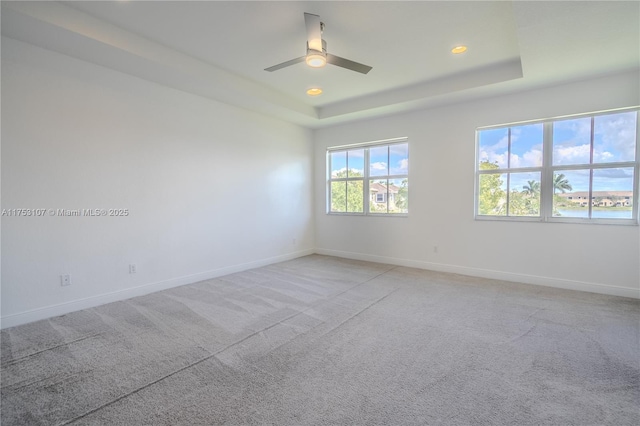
(368, 214)
(569, 220)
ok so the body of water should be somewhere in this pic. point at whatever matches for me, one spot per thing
(597, 214)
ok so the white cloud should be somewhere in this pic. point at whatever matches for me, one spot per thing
(603, 157)
(614, 139)
(493, 157)
(515, 161)
(381, 165)
(399, 149)
(403, 167)
(335, 173)
(579, 127)
(503, 143)
(617, 135)
(578, 154)
(356, 153)
(532, 158)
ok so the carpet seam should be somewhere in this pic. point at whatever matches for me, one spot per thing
(16, 360)
(212, 355)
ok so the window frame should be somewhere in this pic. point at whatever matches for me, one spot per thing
(548, 169)
(366, 178)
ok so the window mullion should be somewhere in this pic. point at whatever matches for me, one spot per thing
(508, 193)
(591, 168)
(365, 184)
(388, 172)
(327, 201)
(636, 183)
(508, 170)
(546, 184)
(346, 187)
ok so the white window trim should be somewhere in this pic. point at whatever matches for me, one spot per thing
(547, 170)
(366, 177)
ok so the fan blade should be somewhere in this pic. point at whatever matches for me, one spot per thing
(285, 64)
(350, 65)
(314, 32)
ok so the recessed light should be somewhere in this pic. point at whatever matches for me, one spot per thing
(314, 91)
(459, 49)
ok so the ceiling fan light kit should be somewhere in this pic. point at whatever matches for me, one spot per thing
(317, 56)
(316, 60)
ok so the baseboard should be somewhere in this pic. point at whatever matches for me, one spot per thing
(90, 302)
(487, 273)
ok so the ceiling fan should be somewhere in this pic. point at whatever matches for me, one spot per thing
(317, 55)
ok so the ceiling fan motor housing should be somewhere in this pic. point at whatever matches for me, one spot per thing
(324, 49)
(317, 56)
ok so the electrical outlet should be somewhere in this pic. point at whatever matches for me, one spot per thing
(133, 268)
(435, 249)
(65, 280)
(294, 241)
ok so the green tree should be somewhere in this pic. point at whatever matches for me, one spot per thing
(526, 202)
(531, 189)
(402, 200)
(347, 196)
(491, 197)
(561, 183)
(518, 203)
(522, 203)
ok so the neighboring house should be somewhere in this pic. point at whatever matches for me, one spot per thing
(379, 194)
(600, 198)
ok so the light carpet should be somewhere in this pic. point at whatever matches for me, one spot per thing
(328, 341)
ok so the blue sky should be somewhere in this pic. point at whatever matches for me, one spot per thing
(526, 146)
(614, 140)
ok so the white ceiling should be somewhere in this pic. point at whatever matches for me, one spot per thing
(220, 49)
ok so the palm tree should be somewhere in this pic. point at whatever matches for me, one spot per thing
(532, 188)
(561, 183)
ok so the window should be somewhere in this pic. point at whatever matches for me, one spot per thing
(370, 179)
(578, 169)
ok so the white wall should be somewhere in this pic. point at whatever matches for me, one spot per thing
(210, 188)
(597, 258)
(213, 189)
